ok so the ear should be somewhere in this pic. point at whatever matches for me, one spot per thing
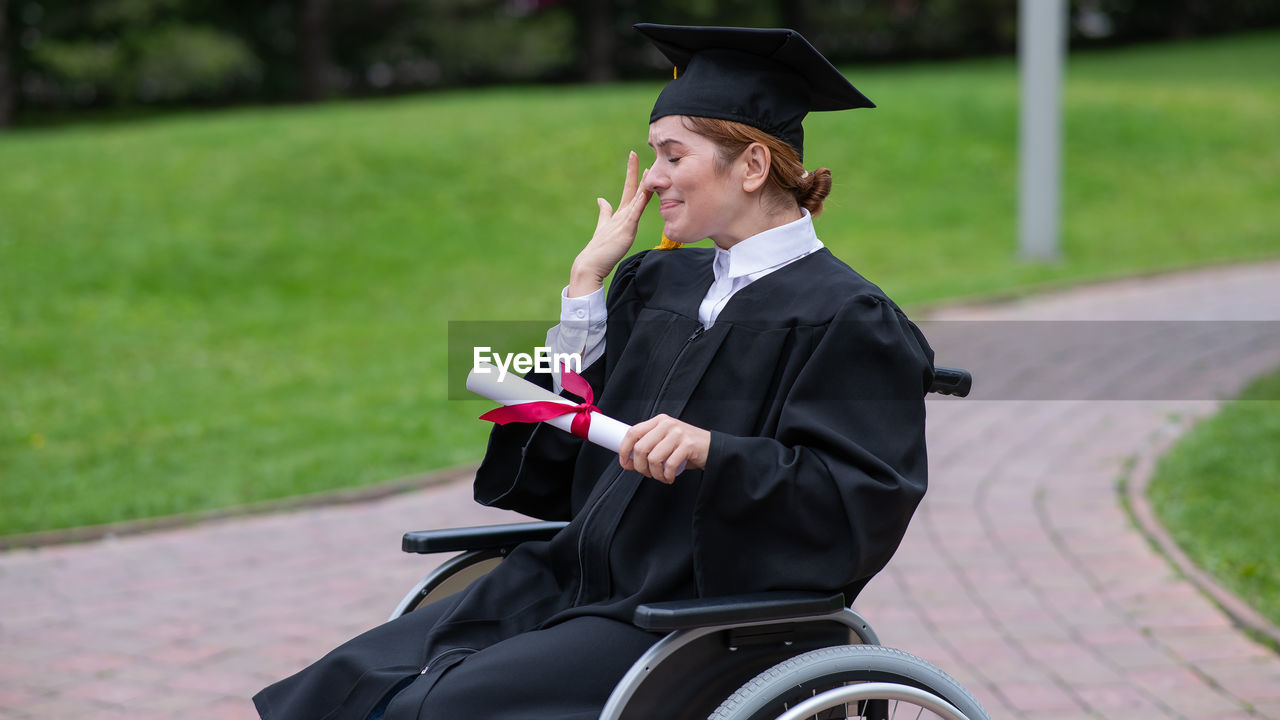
(756, 161)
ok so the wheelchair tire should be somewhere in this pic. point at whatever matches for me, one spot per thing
(789, 683)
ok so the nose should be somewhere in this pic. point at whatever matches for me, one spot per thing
(655, 180)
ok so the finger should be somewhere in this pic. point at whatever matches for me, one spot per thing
(641, 428)
(676, 462)
(626, 449)
(636, 443)
(639, 461)
(606, 213)
(640, 454)
(632, 179)
(659, 459)
(632, 211)
(640, 199)
(655, 445)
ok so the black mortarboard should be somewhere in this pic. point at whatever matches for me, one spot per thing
(766, 78)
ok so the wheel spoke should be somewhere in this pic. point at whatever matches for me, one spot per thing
(855, 681)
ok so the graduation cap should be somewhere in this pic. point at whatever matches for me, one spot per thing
(766, 78)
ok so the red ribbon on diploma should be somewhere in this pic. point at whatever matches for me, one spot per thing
(545, 410)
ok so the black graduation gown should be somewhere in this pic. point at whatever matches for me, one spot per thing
(811, 382)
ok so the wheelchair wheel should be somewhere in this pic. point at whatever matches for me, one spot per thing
(851, 681)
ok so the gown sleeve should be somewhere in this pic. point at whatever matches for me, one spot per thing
(528, 467)
(824, 503)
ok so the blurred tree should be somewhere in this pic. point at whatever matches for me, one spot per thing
(596, 39)
(59, 54)
(448, 42)
(132, 50)
(1130, 20)
(7, 92)
(278, 36)
(313, 48)
(178, 62)
(794, 14)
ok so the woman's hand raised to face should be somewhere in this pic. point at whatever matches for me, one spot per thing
(659, 446)
(614, 235)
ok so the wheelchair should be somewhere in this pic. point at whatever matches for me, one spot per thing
(763, 656)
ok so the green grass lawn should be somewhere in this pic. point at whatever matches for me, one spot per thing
(207, 310)
(1217, 491)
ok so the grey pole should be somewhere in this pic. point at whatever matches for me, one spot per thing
(1042, 41)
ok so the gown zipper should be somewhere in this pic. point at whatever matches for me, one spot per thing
(582, 546)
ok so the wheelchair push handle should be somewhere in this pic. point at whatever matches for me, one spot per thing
(951, 381)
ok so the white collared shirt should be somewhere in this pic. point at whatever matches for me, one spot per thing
(582, 319)
(752, 259)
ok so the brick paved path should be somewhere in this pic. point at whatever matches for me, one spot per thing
(1021, 574)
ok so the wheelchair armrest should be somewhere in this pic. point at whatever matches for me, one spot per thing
(481, 537)
(733, 609)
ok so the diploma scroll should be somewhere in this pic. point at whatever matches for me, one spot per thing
(511, 390)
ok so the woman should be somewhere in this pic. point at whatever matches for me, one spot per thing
(788, 387)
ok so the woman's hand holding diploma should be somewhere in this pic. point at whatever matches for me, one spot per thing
(615, 233)
(662, 447)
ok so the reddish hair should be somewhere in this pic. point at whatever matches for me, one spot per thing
(786, 172)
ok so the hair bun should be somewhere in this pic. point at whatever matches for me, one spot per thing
(812, 189)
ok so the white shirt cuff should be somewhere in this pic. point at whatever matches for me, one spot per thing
(581, 329)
